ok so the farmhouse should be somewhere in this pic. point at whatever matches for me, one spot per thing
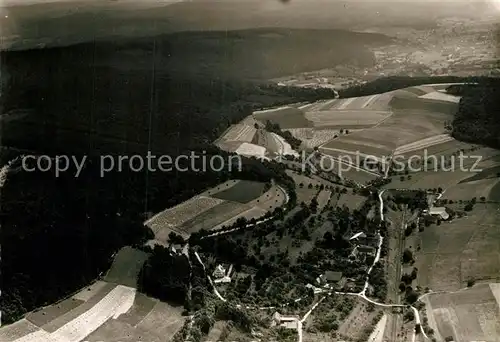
(360, 252)
(330, 278)
(439, 212)
(288, 322)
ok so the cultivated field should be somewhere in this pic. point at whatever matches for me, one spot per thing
(229, 146)
(242, 192)
(170, 219)
(350, 119)
(215, 217)
(286, 117)
(372, 102)
(414, 124)
(441, 96)
(423, 143)
(251, 150)
(469, 315)
(266, 140)
(467, 248)
(313, 137)
(253, 212)
(239, 132)
(215, 207)
(103, 311)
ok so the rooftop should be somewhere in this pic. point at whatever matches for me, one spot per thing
(333, 276)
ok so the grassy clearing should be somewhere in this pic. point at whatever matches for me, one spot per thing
(287, 117)
(306, 195)
(351, 201)
(126, 267)
(323, 198)
(428, 180)
(242, 192)
(465, 191)
(164, 320)
(360, 319)
(467, 248)
(488, 173)
(272, 199)
(470, 315)
(420, 104)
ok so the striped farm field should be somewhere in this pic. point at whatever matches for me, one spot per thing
(228, 146)
(267, 141)
(346, 118)
(213, 217)
(423, 143)
(254, 212)
(239, 132)
(75, 323)
(441, 96)
(320, 137)
(318, 105)
(360, 147)
(176, 216)
(303, 133)
(402, 128)
(444, 148)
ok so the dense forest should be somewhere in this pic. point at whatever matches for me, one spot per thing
(478, 116)
(58, 233)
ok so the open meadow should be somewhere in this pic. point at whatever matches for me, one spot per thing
(346, 119)
(465, 249)
(469, 315)
(285, 117)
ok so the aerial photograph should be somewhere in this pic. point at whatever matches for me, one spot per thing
(249, 171)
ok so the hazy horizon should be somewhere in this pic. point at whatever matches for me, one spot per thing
(33, 22)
